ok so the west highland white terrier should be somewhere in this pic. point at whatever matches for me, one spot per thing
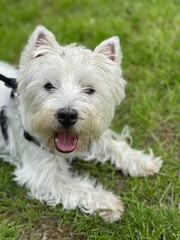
(60, 109)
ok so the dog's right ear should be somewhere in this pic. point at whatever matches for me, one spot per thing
(40, 43)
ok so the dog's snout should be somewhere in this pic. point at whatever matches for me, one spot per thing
(67, 117)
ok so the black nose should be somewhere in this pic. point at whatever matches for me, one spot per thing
(67, 117)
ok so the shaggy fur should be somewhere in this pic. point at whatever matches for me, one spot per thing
(65, 101)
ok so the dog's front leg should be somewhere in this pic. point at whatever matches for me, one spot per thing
(115, 148)
(52, 182)
(90, 198)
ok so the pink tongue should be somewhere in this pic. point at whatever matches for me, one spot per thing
(66, 141)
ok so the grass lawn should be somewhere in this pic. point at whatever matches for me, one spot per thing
(150, 33)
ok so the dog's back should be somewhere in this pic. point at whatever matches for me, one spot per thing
(5, 103)
(5, 92)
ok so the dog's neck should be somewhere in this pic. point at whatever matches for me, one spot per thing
(4, 128)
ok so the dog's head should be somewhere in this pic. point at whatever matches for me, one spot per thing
(68, 93)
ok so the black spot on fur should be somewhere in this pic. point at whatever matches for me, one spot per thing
(4, 123)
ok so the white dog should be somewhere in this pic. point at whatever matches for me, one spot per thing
(60, 109)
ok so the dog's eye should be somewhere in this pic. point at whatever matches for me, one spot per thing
(89, 90)
(49, 87)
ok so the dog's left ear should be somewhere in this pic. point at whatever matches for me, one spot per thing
(111, 49)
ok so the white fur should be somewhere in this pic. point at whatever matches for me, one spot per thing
(43, 170)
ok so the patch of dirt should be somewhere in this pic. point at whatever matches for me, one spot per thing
(167, 132)
(48, 228)
(169, 135)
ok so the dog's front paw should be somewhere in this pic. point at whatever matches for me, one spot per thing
(143, 164)
(152, 165)
(108, 206)
(112, 214)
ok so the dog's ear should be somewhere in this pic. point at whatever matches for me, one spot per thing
(111, 49)
(42, 41)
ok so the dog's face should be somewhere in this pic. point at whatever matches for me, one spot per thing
(68, 94)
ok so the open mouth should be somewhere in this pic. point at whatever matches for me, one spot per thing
(65, 141)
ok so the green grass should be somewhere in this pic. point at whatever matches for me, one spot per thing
(150, 32)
